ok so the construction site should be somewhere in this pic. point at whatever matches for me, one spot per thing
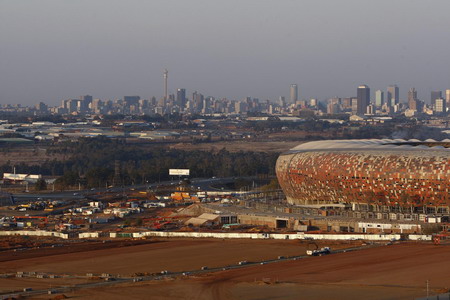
(175, 238)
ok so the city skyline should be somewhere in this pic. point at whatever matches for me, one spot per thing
(122, 50)
(292, 92)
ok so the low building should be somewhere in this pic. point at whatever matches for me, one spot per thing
(207, 219)
(14, 178)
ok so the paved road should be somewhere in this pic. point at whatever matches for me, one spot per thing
(202, 184)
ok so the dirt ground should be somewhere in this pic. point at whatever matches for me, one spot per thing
(172, 255)
(387, 272)
(123, 258)
(194, 289)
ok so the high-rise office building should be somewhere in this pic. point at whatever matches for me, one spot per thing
(435, 95)
(87, 98)
(72, 105)
(439, 106)
(379, 98)
(294, 93)
(347, 103)
(335, 100)
(447, 97)
(412, 94)
(371, 109)
(392, 96)
(332, 108)
(181, 97)
(41, 107)
(131, 100)
(413, 102)
(96, 106)
(362, 99)
(85, 101)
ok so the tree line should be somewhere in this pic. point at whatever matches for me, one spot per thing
(99, 162)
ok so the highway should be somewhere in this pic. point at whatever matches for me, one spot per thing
(202, 184)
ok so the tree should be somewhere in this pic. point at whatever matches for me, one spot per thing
(40, 185)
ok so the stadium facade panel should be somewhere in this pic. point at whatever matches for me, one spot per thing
(380, 172)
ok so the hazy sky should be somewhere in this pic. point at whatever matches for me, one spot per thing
(56, 49)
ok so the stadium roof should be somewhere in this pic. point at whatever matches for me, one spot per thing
(374, 144)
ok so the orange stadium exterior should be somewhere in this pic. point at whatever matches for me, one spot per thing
(391, 173)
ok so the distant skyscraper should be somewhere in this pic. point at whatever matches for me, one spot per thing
(332, 108)
(347, 103)
(166, 93)
(84, 103)
(131, 100)
(439, 106)
(363, 99)
(294, 93)
(412, 94)
(392, 96)
(435, 95)
(181, 97)
(72, 105)
(41, 107)
(413, 102)
(354, 102)
(447, 97)
(96, 106)
(379, 98)
(371, 109)
(335, 100)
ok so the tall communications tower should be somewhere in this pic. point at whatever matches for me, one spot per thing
(166, 75)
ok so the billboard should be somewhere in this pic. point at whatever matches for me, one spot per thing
(179, 172)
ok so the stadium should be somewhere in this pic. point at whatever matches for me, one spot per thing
(368, 174)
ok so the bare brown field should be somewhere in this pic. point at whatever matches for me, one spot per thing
(193, 289)
(173, 255)
(388, 272)
(236, 146)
